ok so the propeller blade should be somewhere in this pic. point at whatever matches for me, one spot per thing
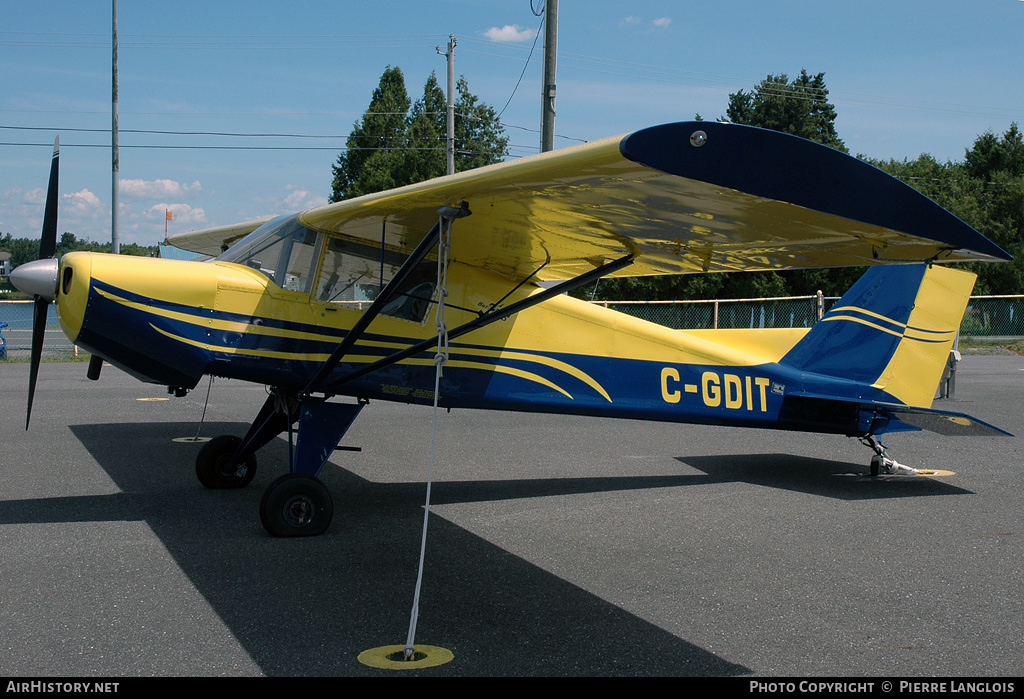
(38, 330)
(48, 242)
(47, 248)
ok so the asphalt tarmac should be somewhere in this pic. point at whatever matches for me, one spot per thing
(557, 545)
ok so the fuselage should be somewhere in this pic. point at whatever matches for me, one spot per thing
(171, 322)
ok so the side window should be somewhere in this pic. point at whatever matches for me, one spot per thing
(412, 303)
(295, 266)
(346, 274)
(354, 271)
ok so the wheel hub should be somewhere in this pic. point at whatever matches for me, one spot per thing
(299, 511)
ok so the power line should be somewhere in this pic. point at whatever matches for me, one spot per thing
(334, 149)
(570, 61)
(527, 65)
(211, 41)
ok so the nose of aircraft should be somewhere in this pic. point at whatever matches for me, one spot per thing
(37, 278)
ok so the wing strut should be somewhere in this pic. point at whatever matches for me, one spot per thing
(446, 214)
(486, 319)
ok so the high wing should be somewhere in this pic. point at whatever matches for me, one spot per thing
(214, 241)
(679, 198)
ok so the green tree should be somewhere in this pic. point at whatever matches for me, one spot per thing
(22, 249)
(990, 154)
(372, 158)
(479, 136)
(427, 156)
(986, 191)
(393, 145)
(996, 166)
(800, 107)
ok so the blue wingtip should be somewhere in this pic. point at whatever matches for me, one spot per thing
(787, 168)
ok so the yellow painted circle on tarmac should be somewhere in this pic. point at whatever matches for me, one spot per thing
(191, 439)
(934, 472)
(393, 657)
(151, 399)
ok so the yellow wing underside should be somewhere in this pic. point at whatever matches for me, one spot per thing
(566, 212)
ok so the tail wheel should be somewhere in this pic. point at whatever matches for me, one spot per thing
(296, 504)
(876, 464)
(214, 468)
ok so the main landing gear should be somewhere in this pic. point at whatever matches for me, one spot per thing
(297, 503)
(881, 462)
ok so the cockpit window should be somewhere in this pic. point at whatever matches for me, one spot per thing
(282, 249)
(355, 271)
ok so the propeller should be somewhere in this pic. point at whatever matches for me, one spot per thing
(39, 277)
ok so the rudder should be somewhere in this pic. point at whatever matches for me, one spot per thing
(892, 330)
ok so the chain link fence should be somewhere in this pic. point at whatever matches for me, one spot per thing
(17, 333)
(784, 312)
(994, 317)
(987, 317)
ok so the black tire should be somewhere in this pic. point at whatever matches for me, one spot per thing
(211, 464)
(296, 504)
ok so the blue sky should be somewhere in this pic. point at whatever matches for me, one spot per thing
(906, 76)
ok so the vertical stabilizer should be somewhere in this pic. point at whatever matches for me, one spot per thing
(892, 330)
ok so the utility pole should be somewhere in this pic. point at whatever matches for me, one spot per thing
(450, 121)
(115, 243)
(547, 128)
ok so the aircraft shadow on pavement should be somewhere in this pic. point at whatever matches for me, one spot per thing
(821, 477)
(309, 606)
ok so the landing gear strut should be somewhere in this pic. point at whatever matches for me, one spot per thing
(296, 504)
(881, 462)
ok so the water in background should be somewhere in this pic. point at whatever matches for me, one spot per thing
(18, 314)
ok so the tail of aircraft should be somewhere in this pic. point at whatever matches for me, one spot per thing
(893, 330)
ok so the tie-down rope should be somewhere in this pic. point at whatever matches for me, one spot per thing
(443, 246)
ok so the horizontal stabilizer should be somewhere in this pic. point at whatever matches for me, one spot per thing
(875, 417)
(945, 422)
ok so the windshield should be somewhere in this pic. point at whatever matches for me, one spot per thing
(282, 249)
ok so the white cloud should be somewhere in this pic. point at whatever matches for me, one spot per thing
(634, 21)
(83, 203)
(149, 189)
(302, 199)
(36, 197)
(510, 33)
(183, 214)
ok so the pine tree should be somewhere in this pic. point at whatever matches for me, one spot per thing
(800, 107)
(392, 146)
(372, 159)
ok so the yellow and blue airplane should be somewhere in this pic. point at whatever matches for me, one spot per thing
(495, 249)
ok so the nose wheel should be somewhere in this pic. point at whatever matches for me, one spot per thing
(296, 504)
